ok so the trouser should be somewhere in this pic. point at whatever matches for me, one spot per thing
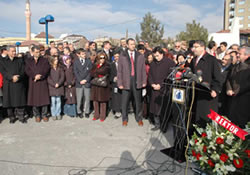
(100, 110)
(16, 113)
(83, 93)
(40, 111)
(56, 105)
(126, 95)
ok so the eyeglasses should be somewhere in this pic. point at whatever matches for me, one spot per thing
(177, 46)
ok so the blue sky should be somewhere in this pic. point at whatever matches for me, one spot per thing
(98, 18)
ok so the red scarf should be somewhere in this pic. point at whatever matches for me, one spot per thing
(98, 67)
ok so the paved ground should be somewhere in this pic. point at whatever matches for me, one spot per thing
(76, 146)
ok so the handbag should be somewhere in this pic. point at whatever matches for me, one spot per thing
(100, 81)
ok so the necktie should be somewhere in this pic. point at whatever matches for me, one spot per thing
(132, 64)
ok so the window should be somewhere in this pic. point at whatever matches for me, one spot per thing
(241, 2)
(241, 17)
(248, 25)
(241, 10)
(241, 25)
(248, 17)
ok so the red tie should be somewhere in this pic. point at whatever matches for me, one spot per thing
(132, 65)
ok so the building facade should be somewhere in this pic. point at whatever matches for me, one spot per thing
(237, 8)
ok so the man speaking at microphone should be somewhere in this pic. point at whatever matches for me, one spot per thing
(211, 75)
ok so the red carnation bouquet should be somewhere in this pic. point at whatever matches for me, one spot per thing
(217, 151)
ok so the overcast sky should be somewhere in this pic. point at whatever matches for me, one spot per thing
(98, 18)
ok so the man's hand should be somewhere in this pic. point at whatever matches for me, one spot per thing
(121, 87)
(144, 85)
(158, 87)
(37, 77)
(83, 82)
(69, 86)
(57, 85)
(230, 93)
(213, 94)
(15, 78)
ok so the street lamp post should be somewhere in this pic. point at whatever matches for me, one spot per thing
(17, 45)
(45, 20)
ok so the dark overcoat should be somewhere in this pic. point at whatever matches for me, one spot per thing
(211, 74)
(38, 93)
(159, 71)
(14, 94)
(116, 93)
(70, 93)
(124, 70)
(56, 76)
(100, 94)
(239, 82)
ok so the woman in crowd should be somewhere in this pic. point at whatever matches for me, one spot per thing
(100, 95)
(70, 90)
(146, 100)
(56, 87)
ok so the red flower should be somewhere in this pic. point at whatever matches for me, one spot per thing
(195, 141)
(223, 157)
(193, 153)
(198, 156)
(204, 149)
(248, 152)
(203, 135)
(210, 163)
(219, 140)
(238, 163)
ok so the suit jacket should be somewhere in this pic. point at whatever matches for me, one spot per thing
(124, 70)
(109, 56)
(211, 71)
(82, 72)
(211, 74)
(113, 74)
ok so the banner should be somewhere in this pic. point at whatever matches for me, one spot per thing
(227, 125)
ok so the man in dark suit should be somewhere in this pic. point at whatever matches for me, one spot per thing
(82, 67)
(211, 75)
(131, 78)
(107, 50)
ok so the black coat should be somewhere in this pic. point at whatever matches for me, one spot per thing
(158, 72)
(116, 92)
(38, 93)
(56, 76)
(211, 74)
(70, 92)
(239, 82)
(223, 98)
(14, 94)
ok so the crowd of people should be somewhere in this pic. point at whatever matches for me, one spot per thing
(55, 81)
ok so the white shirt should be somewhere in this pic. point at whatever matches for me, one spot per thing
(198, 58)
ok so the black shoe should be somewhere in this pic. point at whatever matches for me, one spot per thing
(12, 120)
(23, 121)
(81, 115)
(117, 117)
(156, 128)
(86, 115)
(78, 115)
